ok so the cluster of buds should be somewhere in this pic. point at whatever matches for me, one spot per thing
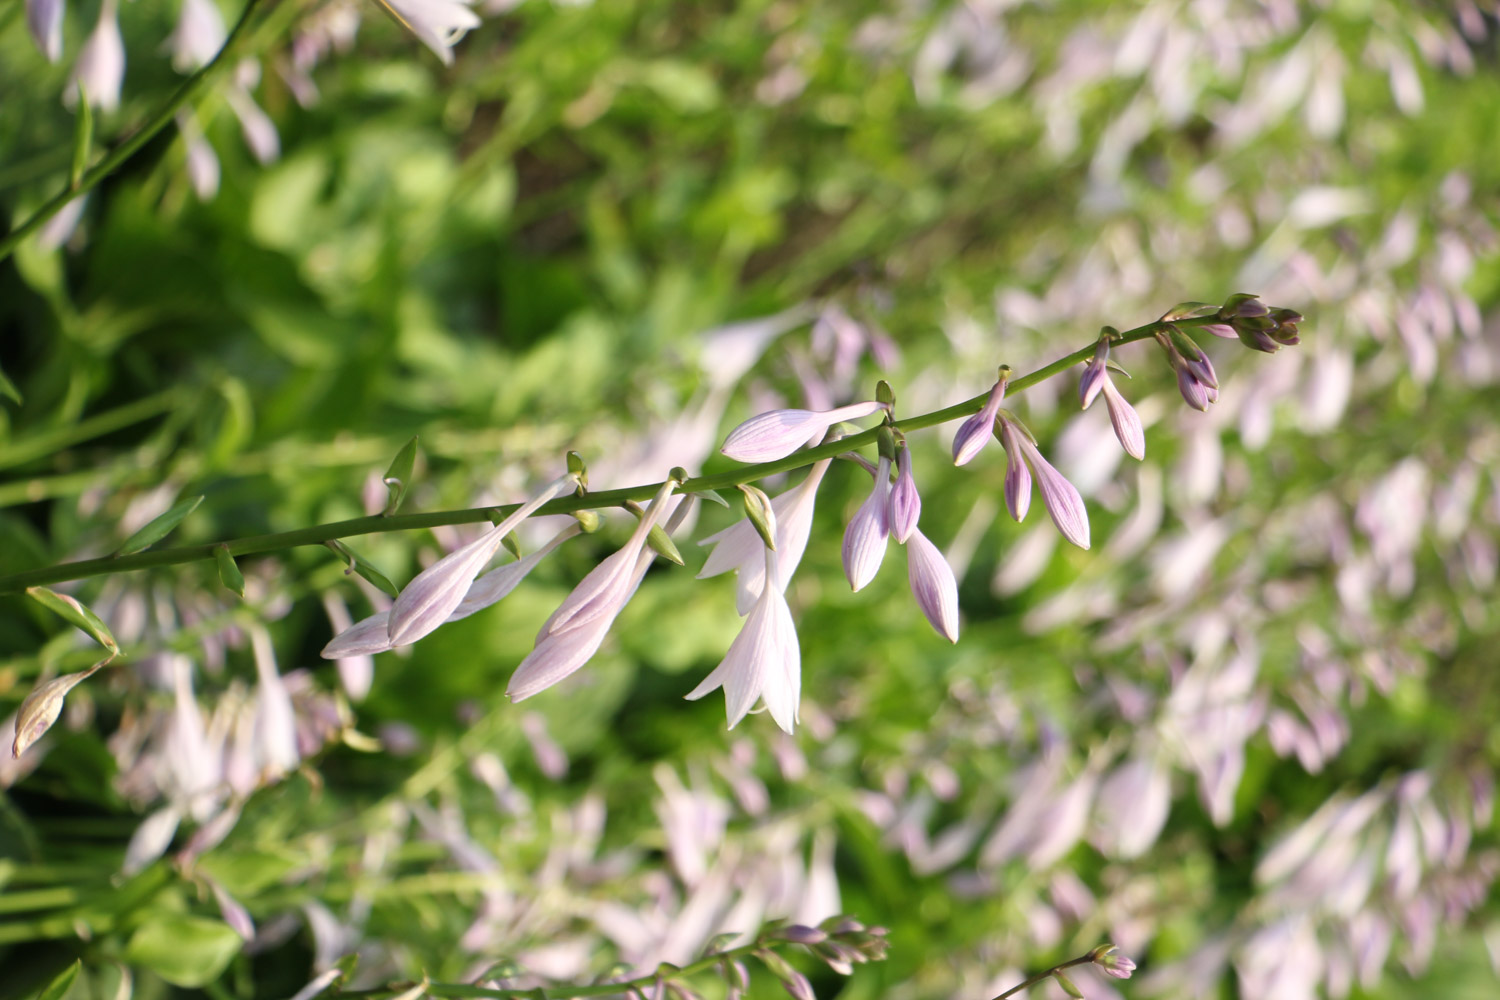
(1242, 316)
(1258, 326)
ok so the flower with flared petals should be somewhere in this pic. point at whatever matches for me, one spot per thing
(974, 434)
(1122, 416)
(933, 584)
(763, 662)
(905, 503)
(739, 546)
(778, 433)
(574, 632)
(1062, 500)
(865, 538)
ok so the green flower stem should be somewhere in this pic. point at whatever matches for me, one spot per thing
(132, 144)
(1041, 976)
(321, 533)
(464, 991)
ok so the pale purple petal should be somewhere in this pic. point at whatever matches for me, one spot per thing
(1126, 421)
(778, 433)
(438, 24)
(234, 914)
(202, 162)
(933, 584)
(1095, 374)
(497, 583)
(370, 635)
(557, 656)
(435, 592)
(275, 719)
(255, 125)
(975, 432)
(1194, 393)
(198, 36)
(905, 503)
(1017, 475)
(865, 538)
(151, 839)
(739, 547)
(1062, 500)
(356, 669)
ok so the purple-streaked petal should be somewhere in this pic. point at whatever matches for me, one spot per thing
(1017, 475)
(905, 503)
(1126, 421)
(975, 432)
(1062, 500)
(865, 538)
(1203, 370)
(370, 635)
(1194, 393)
(933, 585)
(1095, 374)
(778, 433)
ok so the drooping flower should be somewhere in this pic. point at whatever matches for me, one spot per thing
(1122, 416)
(1062, 500)
(100, 67)
(438, 590)
(778, 433)
(974, 433)
(933, 584)
(574, 632)
(739, 547)
(905, 503)
(438, 24)
(763, 662)
(865, 538)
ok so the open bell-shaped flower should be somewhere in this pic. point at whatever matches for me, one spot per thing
(739, 547)
(764, 661)
(1062, 499)
(778, 433)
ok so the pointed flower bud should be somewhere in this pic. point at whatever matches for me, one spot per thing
(1062, 500)
(974, 433)
(778, 433)
(905, 504)
(865, 538)
(1113, 963)
(1126, 422)
(933, 584)
(430, 598)
(1196, 379)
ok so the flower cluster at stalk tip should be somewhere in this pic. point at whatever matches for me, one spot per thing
(763, 663)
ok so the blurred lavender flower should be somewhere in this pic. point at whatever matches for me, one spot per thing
(45, 19)
(100, 67)
(255, 125)
(778, 433)
(438, 24)
(865, 538)
(1061, 499)
(974, 433)
(201, 160)
(198, 37)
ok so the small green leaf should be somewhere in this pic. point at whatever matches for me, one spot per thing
(661, 543)
(710, 495)
(59, 986)
(398, 476)
(160, 527)
(758, 509)
(184, 950)
(577, 466)
(75, 613)
(357, 564)
(229, 574)
(8, 388)
(1068, 987)
(83, 138)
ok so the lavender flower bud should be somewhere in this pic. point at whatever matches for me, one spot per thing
(778, 433)
(905, 504)
(865, 538)
(933, 585)
(974, 433)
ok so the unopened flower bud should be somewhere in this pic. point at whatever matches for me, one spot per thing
(1113, 963)
(778, 433)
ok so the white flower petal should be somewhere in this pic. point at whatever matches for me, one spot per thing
(778, 433)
